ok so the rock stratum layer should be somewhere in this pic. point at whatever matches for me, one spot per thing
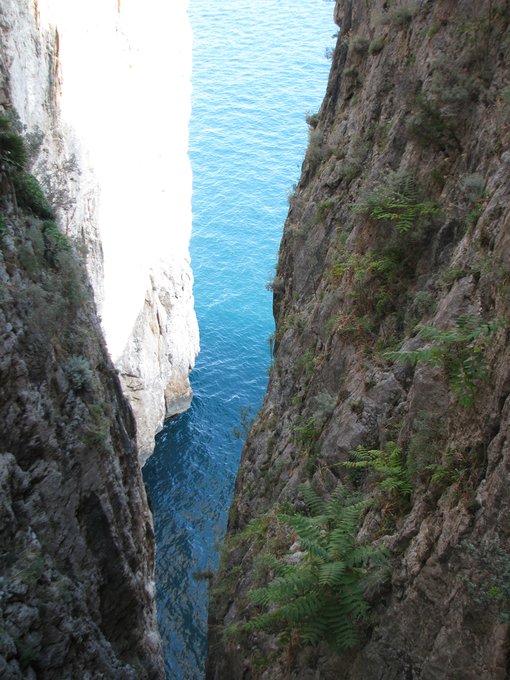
(392, 318)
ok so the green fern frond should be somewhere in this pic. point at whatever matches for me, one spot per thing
(365, 554)
(349, 519)
(260, 596)
(396, 200)
(341, 540)
(459, 350)
(397, 485)
(264, 621)
(340, 499)
(305, 528)
(357, 464)
(313, 548)
(343, 638)
(353, 603)
(293, 583)
(411, 356)
(313, 501)
(302, 608)
(341, 632)
(388, 464)
(331, 573)
(321, 597)
(313, 632)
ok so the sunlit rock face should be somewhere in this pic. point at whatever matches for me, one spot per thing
(117, 72)
(160, 353)
(31, 77)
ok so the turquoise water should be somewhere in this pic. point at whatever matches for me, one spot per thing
(257, 68)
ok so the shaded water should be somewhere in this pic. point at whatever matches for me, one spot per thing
(258, 67)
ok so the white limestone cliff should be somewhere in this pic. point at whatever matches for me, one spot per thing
(155, 361)
(104, 89)
(30, 72)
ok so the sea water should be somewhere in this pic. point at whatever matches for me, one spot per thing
(258, 67)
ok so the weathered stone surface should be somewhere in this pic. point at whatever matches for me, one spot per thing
(76, 538)
(418, 89)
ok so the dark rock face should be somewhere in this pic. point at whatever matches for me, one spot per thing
(76, 541)
(401, 220)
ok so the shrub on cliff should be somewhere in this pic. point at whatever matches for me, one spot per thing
(30, 196)
(78, 373)
(12, 147)
(429, 128)
(55, 242)
(13, 160)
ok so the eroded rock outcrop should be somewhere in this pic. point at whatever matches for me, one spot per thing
(160, 353)
(392, 335)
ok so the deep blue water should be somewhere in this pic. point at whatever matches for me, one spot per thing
(258, 67)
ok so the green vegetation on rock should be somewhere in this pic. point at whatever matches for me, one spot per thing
(319, 591)
(459, 350)
(389, 466)
(396, 200)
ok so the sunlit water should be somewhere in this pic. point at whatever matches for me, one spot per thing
(258, 67)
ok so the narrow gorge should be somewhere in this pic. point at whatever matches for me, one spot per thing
(252, 84)
(369, 534)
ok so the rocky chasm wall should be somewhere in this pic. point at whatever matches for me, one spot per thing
(391, 354)
(76, 538)
(132, 227)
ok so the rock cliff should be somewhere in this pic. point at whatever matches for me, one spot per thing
(155, 364)
(85, 133)
(76, 541)
(389, 391)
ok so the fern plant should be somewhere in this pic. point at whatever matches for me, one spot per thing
(389, 465)
(361, 266)
(396, 200)
(459, 350)
(377, 278)
(321, 596)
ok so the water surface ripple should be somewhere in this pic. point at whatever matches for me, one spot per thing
(257, 68)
